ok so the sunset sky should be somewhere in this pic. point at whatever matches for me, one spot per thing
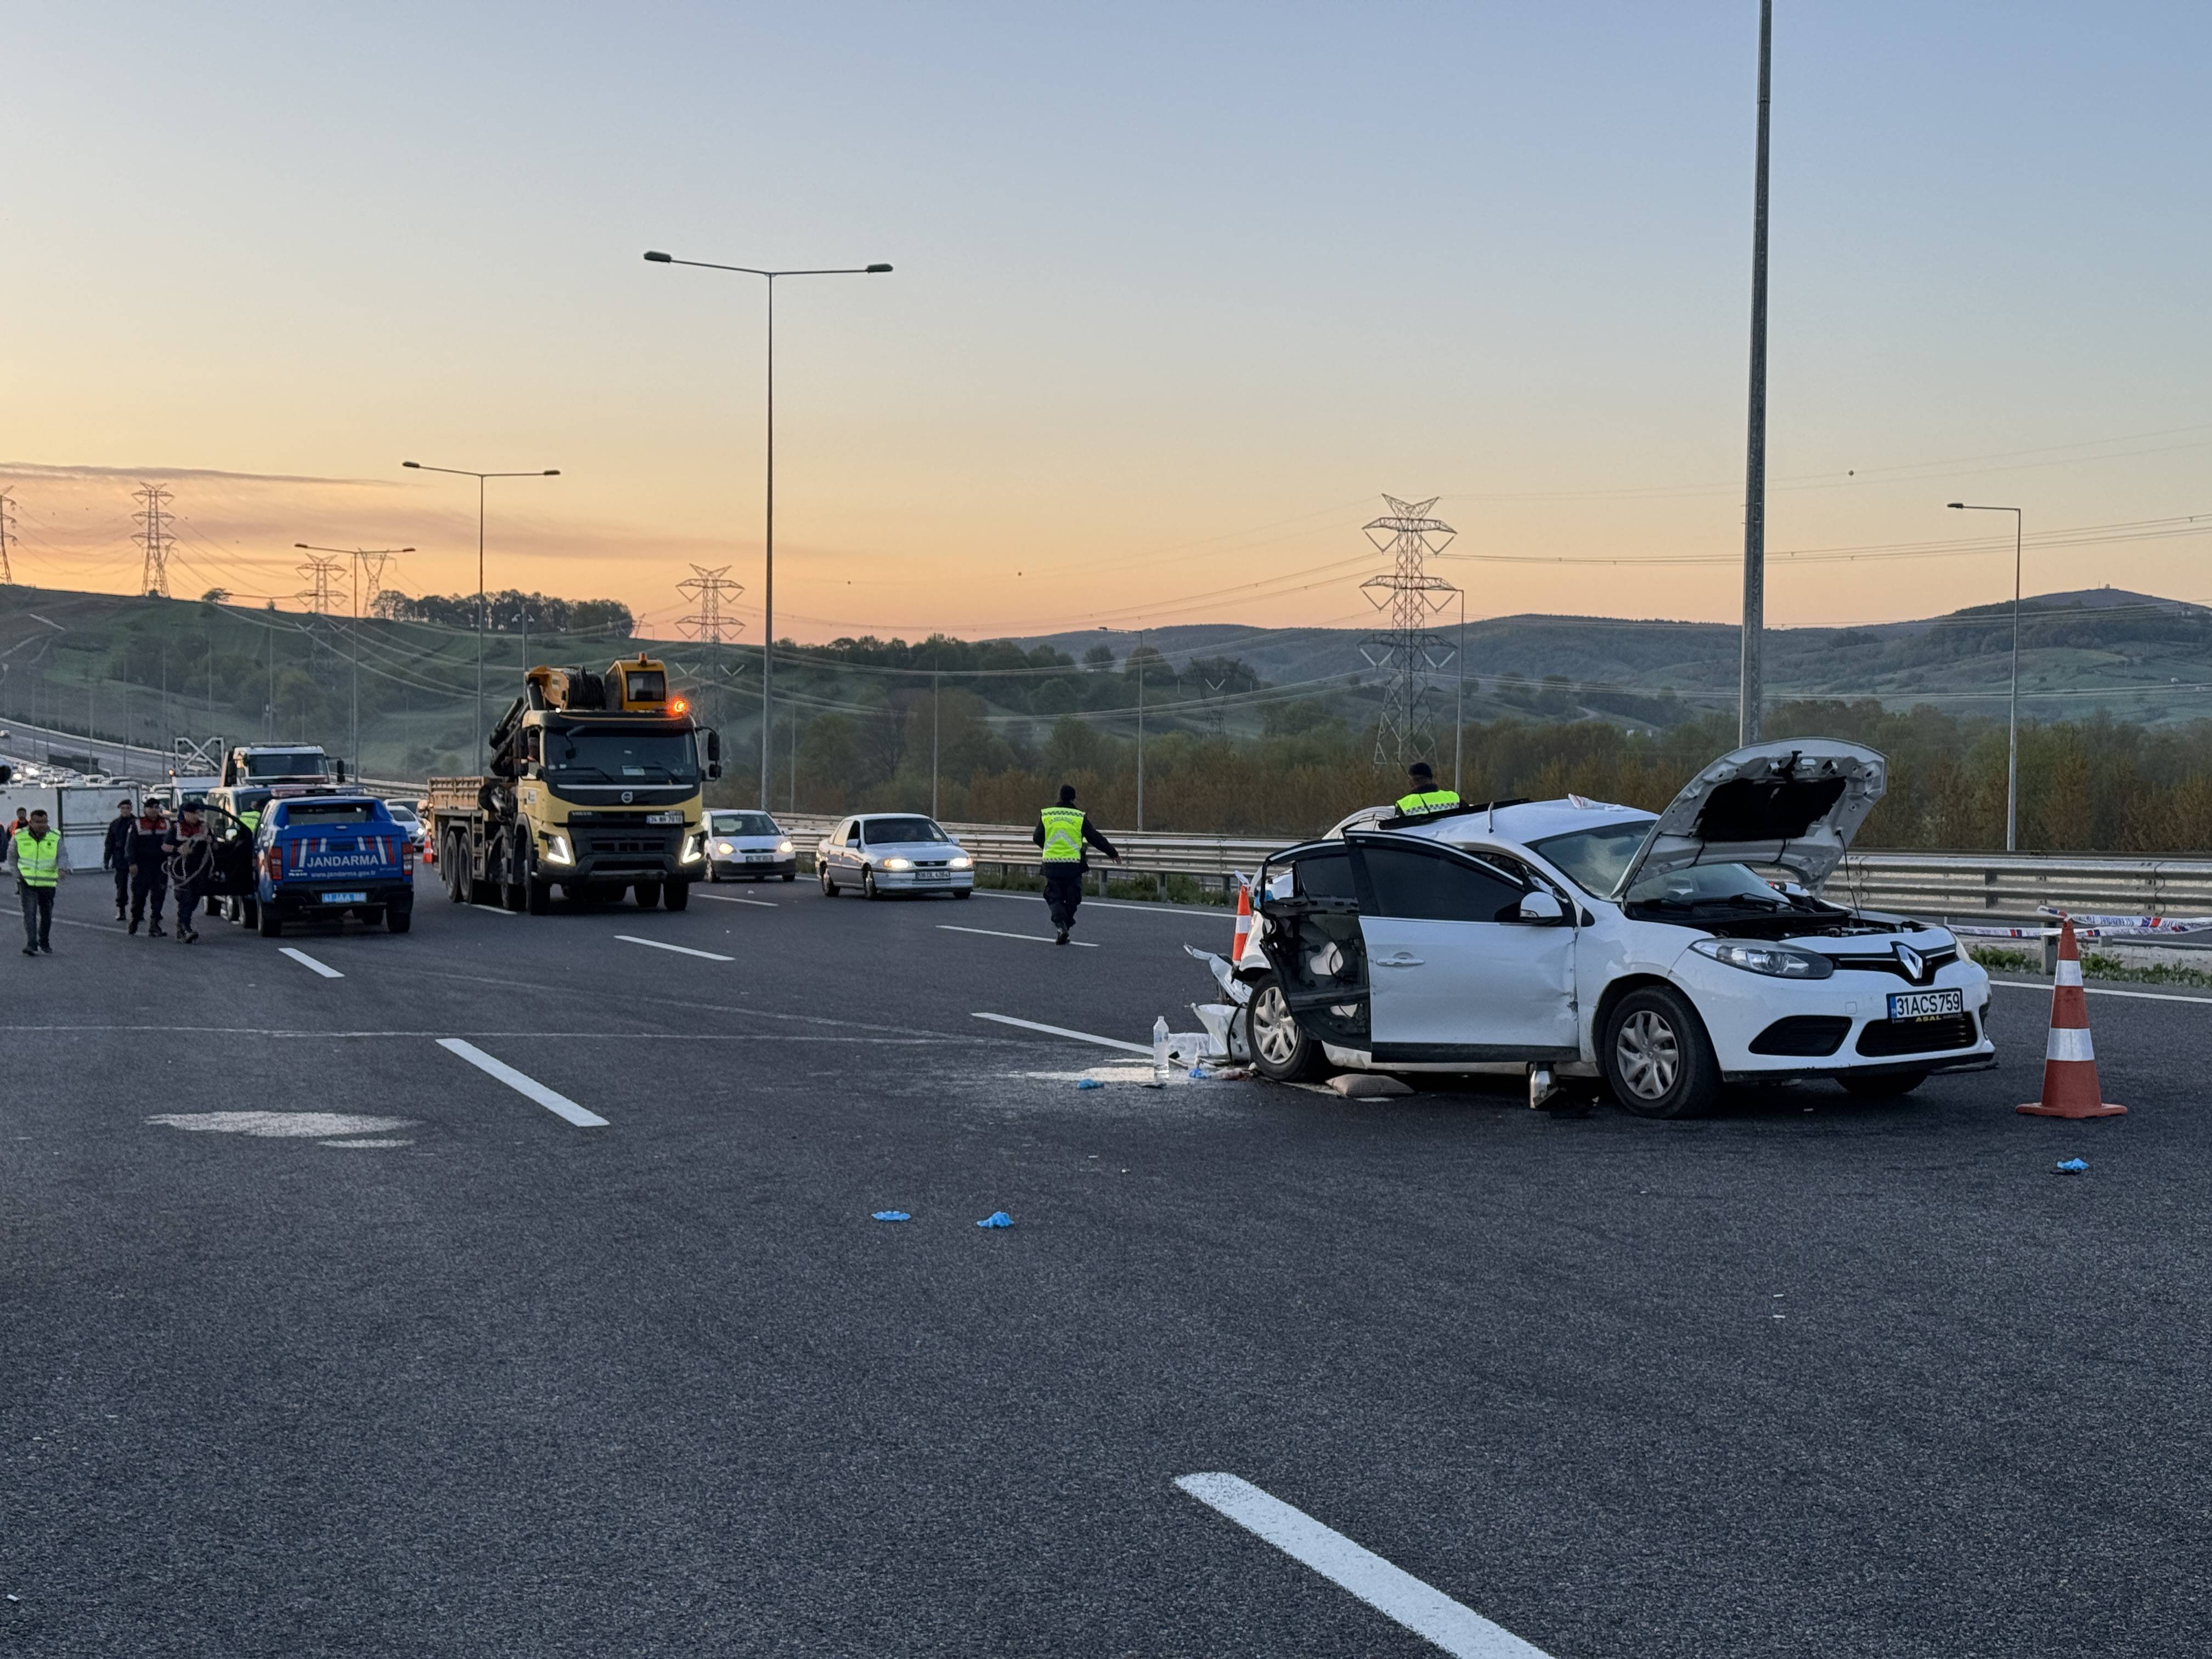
(1179, 290)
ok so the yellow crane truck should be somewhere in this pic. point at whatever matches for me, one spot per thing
(595, 786)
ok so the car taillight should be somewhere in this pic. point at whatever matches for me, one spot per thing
(272, 863)
(406, 855)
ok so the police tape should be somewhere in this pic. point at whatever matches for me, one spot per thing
(2096, 926)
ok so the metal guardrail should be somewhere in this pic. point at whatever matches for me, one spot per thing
(1993, 889)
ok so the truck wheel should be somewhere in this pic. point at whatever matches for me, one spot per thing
(1657, 1059)
(540, 899)
(453, 869)
(398, 919)
(270, 924)
(648, 894)
(1280, 1046)
(675, 895)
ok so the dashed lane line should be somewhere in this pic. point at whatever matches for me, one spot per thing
(493, 910)
(680, 950)
(1390, 1590)
(307, 961)
(554, 1102)
(731, 898)
(1061, 1030)
(993, 933)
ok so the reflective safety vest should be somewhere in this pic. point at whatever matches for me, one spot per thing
(1433, 801)
(38, 863)
(250, 820)
(1063, 834)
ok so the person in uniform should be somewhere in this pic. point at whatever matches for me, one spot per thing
(1425, 796)
(149, 880)
(115, 853)
(1063, 831)
(190, 866)
(37, 862)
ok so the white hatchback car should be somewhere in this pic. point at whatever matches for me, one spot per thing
(882, 852)
(748, 845)
(1579, 939)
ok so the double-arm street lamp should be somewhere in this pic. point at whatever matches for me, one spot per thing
(483, 736)
(767, 583)
(2012, 722)
(359, 555)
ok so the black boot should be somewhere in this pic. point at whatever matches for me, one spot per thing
(134, 925)
(154, 930)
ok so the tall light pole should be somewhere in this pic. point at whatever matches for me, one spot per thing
(1459, 711)
(483, 736)
(768, 582)
(2012, 720)
(353, 631)
(1137, 656)
(1753, 689)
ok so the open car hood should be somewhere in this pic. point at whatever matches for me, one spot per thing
(1795, 805)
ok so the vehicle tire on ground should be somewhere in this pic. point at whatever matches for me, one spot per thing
(868, 885)
(1658, 1060)
(1280, 1047)
(398, 918)
(648, 894)
(270, 924)
(1883, 1085)
(538, 899)
(249, 912)
(675, 895)
(791, 875)
(964, 892)
(372, 915)
(828, 887)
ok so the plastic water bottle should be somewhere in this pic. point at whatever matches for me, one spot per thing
(1160, 1051)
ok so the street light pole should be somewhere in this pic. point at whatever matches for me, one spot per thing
(483, 736)
(1752, 692)
(1459, 710)
(353, 632)
(2011, 718)
(768, 578)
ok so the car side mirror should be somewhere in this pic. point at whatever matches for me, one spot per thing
(1541, 909)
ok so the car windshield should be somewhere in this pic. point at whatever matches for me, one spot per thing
(300, 763)
(890, 832)
(620, 757)
(329, 812)
(1596, 859)
(742, 823)
(404, 814)
(1708, 886)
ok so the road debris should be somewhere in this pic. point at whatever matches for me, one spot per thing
(890, 1215)
(2073, 1166)
(996, 1218)
(1367, 1086)
(1089, 1083)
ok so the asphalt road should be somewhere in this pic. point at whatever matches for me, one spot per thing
(1813, 1376)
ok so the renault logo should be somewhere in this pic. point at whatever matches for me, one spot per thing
(1915, 967)
(626, 802)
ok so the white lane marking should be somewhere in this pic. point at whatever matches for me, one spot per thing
(495, 909)
(993, 933)
(559, 1104)
(731, 898)
(1421, 1608)
(307, 961)
(288, 1125)
(680, 950)
(2102, 991)
(1226, 912)
(1061, 1030)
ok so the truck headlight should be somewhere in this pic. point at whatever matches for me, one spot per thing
(694, 848)
(556, 849)
(961, 862)
(1779, 961)
(898, 864)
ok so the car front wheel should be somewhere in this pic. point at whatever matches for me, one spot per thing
(1658, 1062)
(1280, 1047)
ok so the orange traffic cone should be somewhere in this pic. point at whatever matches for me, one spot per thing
(2069, 1064)
(1242, 942)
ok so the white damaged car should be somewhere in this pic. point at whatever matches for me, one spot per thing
(1581, 941)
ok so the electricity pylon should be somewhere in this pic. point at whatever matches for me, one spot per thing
(154, 539)
(1405, 650)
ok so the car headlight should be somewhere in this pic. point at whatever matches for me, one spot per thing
(556, 849)
(722, 848)
(694, 848)
(784, 847)
(961, 862)
(1781, 961)
(898, 864)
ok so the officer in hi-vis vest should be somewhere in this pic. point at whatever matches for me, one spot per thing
(1425, 796)
(1062, 831)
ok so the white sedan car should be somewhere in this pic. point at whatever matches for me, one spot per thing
(882, 852)
(748, 845)
(1583, 941)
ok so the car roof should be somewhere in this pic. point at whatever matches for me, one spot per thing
(1523, 821)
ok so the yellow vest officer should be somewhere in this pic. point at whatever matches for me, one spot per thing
(1425, 796)
(38, 863)
(1061, 832)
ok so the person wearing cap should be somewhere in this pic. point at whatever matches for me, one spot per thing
(1425, 796)
(150, 879)
(189, 865)
(115, 855)
(37, 862)
(1062, 832)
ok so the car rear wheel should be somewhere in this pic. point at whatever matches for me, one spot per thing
(398, 919)
(1280, 1047)
(1883, 1085)
(270, 925)
(1657, 1059)
(249, 912)
(828, 887)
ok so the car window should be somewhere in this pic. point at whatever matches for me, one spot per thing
(1325, 876)
(894, 832)
(853, 836)
(1423, 886)
(742, 823)
(1598, 858)
(337, 811)
(398, 810)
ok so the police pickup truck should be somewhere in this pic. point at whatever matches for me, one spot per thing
(333, 855)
